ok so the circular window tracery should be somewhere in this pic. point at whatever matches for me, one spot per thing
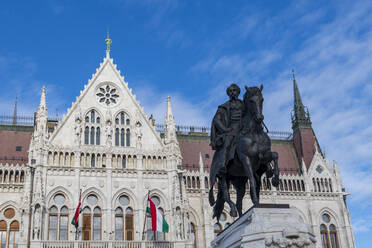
(92, 200)
(59, 199)
(9, 213)
(124, 200)
(107, 95)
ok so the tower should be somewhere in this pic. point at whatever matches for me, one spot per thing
(304, 138)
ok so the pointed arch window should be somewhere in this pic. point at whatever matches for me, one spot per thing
(117, 137)
(58, 219)
(192, 235)
(92, 116)
(129, 224)
(93, 161)
(98, 136)
(13, 234)
(328, 233)
(122, 137)
(3, 233)
(63, 223)
(122, 118)
(119, 224)
(53, 220)
(92, 136)
(123, 162)
(86, 136)
(128, 137)
(97, 223)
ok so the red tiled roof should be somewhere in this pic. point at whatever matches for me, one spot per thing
(190, 149)
(304, 140)
(9, 140)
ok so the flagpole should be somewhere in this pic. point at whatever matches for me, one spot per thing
(145, 217)
(77, 227)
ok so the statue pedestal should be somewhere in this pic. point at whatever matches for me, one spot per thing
(267, 225)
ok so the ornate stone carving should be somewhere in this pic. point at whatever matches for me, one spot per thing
(107, 95)
(77, 128)
(138, 133)
(108, 128)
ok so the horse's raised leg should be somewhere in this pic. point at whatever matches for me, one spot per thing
(247, 167)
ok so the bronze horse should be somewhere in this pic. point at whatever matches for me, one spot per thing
(253, 158)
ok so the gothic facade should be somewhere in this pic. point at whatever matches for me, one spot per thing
(107, 148)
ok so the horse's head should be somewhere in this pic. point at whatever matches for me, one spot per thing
(253, 102)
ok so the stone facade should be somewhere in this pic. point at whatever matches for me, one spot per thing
(107, 148)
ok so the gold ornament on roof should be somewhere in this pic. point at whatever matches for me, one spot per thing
(108, 43)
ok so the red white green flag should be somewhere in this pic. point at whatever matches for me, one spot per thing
(75, 220)
(157, 220)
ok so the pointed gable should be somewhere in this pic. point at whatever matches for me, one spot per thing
(108, 95)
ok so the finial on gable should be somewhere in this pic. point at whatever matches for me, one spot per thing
(108, 44)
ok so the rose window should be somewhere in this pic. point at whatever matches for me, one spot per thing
(107, 95)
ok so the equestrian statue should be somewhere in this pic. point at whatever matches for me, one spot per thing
(242, 150)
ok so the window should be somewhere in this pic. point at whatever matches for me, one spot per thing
(97, 223)
(192, 234)
(53, 218)
(206, 155)
(92, 220)
(93, 161)
(92, 136)
(92, 132)
(3, 230)
(86, 136)
(328, 232)
(123, 162)
(58, 219)
(117, 137)
(122, 137)
(128, 137)
(124, 222)
(63, 224)
(13, 234)
(122, 123)
(98, 136)
(18, 148)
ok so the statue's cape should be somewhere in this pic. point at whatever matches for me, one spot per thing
(217, 141)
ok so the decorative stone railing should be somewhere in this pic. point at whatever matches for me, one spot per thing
(107, 244)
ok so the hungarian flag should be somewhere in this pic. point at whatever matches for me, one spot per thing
(158, 222)
(75, 220)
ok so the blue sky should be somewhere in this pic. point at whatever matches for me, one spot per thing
(192, 50)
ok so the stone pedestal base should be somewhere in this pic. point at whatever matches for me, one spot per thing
(267, 225)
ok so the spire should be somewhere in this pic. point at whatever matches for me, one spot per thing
(15, 111)
(169, 114)
(42, 99)
(108, 45)
(170, 125)
(201, 164)
(300, 114)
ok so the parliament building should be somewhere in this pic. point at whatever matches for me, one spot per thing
(110, 150)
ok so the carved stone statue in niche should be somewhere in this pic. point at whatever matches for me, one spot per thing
(77, 128)
(138, 133)
(178, 223)
(108, 128)
(37, 223)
